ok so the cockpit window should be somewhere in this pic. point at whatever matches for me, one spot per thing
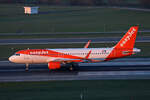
(17, 54)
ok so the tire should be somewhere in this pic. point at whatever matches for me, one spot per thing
(75, 66)
(72, 66)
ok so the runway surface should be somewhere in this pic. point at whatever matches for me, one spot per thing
(95, 75)
(126, 68)
(67, 40)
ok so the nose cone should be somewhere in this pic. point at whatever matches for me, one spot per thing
(12, 58)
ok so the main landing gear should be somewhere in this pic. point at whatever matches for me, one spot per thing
(72, 66)
(69, 66)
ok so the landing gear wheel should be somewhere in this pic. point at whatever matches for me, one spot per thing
(76, 66)
(73, 67)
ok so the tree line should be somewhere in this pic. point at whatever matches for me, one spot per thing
(143, 3)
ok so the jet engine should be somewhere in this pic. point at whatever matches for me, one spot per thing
(54, 65)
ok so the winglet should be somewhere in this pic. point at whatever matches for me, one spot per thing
(87, 44)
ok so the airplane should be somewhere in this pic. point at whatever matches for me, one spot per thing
(71, 57)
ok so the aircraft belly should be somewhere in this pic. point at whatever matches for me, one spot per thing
(39, 59)
(98, 56)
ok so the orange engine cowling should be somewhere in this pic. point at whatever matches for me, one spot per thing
(54, 65)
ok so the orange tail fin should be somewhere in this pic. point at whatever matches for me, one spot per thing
(125, 46)
(128, 39)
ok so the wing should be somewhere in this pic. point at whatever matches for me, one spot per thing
(85, 59)
(71, 60)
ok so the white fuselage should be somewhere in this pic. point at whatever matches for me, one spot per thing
(96, 53)
(36, 57)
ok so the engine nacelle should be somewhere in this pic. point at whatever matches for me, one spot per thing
(54, 65)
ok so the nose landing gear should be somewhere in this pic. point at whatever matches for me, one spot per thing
(27, 68)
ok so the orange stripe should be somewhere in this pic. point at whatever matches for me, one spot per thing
(49, 53)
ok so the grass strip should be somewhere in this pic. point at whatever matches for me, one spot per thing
(70, 19)
(73, 90)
